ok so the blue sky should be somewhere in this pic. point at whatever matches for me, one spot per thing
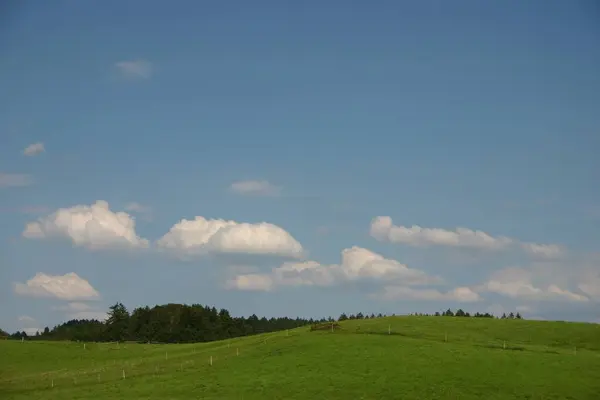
(472, 125)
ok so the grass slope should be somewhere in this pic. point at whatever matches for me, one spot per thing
(481, 359)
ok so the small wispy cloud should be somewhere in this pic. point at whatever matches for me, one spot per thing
(144, 211)
(135, 69)
(26, 319)
(34, 149)
(11, 180)
(137, 207)
(255, 188)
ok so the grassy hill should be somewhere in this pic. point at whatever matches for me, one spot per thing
(384, 358)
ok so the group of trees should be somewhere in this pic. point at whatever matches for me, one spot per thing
(461, 313)
(180, 323)
(360, 315)
(170, 323)
(447, 313)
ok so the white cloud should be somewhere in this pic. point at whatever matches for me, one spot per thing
(31, 331)
(382, 229)
(357, 264)
(28, 325)
(255, 188)
(14, 180)
(26, 319)
(543, 250)
(34, 149)
(137, 207)
(144, 212)
(459, 294)
(517, 283)
(590, 284)
(64, 287)
(135, 69)
(201, 236)
(93, 227)
(257, 282)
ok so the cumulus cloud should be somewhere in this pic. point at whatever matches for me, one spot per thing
(34, 149)
(203, 236)
(357, 264)
(255, 188)
(64, 287)
(543, 250)
(93, 227)
(383, 229)
(459, 294)
(517, 283)
(135, 69)
(15, 180)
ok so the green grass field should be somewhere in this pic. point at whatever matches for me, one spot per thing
(422, 358)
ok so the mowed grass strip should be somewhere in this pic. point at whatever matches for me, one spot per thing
(362, 360)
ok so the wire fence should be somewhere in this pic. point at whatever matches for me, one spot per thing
(190, 359)
(195, 358)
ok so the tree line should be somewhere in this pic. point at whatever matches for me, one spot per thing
(461, 313)
(447, 313)
(181, 323)
(169, 323)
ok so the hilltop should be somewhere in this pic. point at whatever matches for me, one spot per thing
(391, 358)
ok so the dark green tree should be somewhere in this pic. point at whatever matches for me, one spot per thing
(117, 323)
